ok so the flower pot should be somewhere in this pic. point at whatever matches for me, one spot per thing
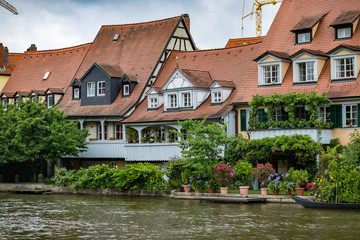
(133, 141)
(244, 190)
(187, 188)
(224, 190)
(288, 193)
(40, 180)
(17, 179)
(264, 191)
(300, 191)
(211, 190)
(197, 190)
(178, 189)
(143, 141)
(276, 192)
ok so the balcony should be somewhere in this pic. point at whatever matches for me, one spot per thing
(151, 151)
(326, 134)
(104, 149)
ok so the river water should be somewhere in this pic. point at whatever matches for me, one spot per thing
(97, 217)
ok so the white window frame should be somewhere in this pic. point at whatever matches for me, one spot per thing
(126, 90)
(277, 116)
(342, 31)
(90, 89)
(76, 93)
(183, 98)
(4, 102)
(296, 72)
(100, 88)
(153, 102)
(261, 72)
(324, 113)
(169, 98)
(99, 135)
(120, 131)
(301, 37)
(48, 100)
(339, 57)
(353, 120)
(215, 98)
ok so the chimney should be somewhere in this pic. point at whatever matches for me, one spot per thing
(32, 48)
(6, 56)
(2, 55)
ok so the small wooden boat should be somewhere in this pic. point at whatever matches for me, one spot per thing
(314, 204)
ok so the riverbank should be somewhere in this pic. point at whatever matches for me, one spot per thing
(212, 197)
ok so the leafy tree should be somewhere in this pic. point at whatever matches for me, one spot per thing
(30, 131)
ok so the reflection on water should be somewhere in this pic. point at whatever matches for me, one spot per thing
(95, 217)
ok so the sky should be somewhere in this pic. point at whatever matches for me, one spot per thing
(53, 24)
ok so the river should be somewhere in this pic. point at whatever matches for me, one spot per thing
(55, 216)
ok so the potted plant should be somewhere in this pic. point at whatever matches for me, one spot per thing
(17, 178)
(223, 175)
(197, 182)
(151, 139)
(159, 139)
(262, 172)
(185, 176)
(171, 138)
(300, 177)
(244, 171)
(143, 140)
(40, 178)
(274, 184)
(287, 187)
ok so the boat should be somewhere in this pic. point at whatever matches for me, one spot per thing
(314, 204)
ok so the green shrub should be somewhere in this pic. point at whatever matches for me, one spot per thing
(96, 176)
(63, 177)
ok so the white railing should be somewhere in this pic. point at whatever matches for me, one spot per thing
(326, 134)
(151, 151)
(104, 149)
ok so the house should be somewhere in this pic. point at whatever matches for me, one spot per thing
(192, 85)
(120, 66)
(311, 46)
(8, 62)
(43, 74)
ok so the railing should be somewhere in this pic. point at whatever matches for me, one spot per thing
(151, 151)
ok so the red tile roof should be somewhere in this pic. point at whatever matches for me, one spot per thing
(227, 84)
(308, 22)
(230, 65)
(280, 39)
(200, 79)
(13, 60)
(29, 72)
(136, 52)
(346, 18)
(236, 42)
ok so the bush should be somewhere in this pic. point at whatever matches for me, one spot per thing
(223, 175)
(262, 173)
(174, 168)
(244, 170)
(63, 177)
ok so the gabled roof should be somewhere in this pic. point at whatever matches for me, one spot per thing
(39, 92)
(346, 18)
(281, 55)
(229, 65)
(14, 58)
(309, 51)
(199, 79)
(56, 90)
(236, 42)
(342, 46)
(8, 94)
(136, 53)
(29, 72)
(225, 84)
(112, 71)
(308, 22)
(22, 94)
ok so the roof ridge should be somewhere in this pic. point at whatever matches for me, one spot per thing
(58, 49)
(147, 22)
(216, 49)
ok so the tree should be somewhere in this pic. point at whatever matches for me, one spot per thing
(30, 131)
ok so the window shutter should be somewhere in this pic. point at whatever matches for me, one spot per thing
(307, 115)
(243, 120)
(262, 116)
(336, 115)
(284, 115)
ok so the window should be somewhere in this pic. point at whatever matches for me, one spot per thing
(100, 132)
(172, 101)
(186, 99)
(217, 97)
(153, 102)
(91, 89)
(324, 114)
(118, 131)
(4, 103)
(126, 90)
(271, 74)
(101, 88)
(278, 114)
(306, 71)
(184, 134)
(303, 37)
(50, 100)
(46, 75)
(350, 115)
(76, 93)
(345, 32)
(300, 113)
(344, 68)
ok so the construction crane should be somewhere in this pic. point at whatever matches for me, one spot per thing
(8, 6)
(258, 13)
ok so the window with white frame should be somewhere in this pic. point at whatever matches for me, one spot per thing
(172, 101)
(278, 114)
(344, 32)
(217, 97)
(118, 131)
(186, 99)
(50, 100)
(351, 115)
(153, 102)
(303, 37)
(101, 88)
(324, 114)
(126, 90)
(4, 103)
(100, 132)
(270, 74)
(344, 67)
(91, 89)
(305, 71)
(76, 93)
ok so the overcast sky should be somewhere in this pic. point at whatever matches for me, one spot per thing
(52, 24)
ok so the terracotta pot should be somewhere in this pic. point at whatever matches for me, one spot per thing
(264, 191)
(288, 193)
(197, 190)
(211, 190)
(244, 190)
(276, 192)
(187, 188)
(133, 141)
(178, 189)
(143, 141)
(224, 190)
(300, 191)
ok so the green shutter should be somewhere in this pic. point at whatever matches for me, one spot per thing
(262, 116)
(358, 114)
(336, 115)
(243, 120)
(284, 115)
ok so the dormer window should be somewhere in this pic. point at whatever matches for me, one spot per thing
(126, 90)
(172, 101)
(344, 62)
(91, 89)
(270, 74)
(306, 28)
(153, 102)
(344, 67)
(217, 97)
(186, 99)
(101, 88)
(76, 93)
(343, 32)
(50, 100)
(303, 37)
(4, 103)
(345, 25)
